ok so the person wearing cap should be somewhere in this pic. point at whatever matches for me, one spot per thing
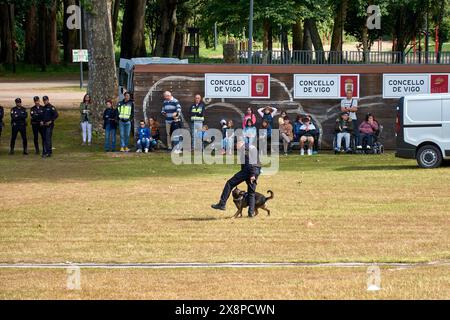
(36, 118)
(49, 115)
(19, 117)
(126, 111)
(197, 112)
(250, 171)
(343, 129)
(2, 113)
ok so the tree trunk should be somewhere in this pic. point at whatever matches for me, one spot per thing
(166, 33)
(69, 36)
(306, 56)
(31, 36)
(297, 36)
(315, 39)
(102, 65)
(6, 33)
(42, 45)
(133, 30)
(115, 16)
(338, 27)
(52, 34)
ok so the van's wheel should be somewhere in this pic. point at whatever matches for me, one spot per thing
(429, 157)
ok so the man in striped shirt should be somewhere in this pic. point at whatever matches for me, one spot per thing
(170, 106)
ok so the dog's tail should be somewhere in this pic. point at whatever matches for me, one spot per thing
(271, 195)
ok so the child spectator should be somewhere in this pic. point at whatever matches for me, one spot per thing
(223, 125)
(297, 124)
(287, 134)
(249, 132)
(110, 120)
(249, 115)
(144, 138)
(154, 131)
(266, 133)
(229, 137)
(176, 139)
(307, 133)
(343, 129)
(368, 129)
(281, 118)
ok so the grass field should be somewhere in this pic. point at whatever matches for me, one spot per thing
(87, 206)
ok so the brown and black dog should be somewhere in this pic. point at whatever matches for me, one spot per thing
(240, 199)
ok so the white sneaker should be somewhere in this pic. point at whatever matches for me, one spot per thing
(309, 152)
(138, 151)
(359, 147)
(146, 150)
(302, 152)
(368, 148)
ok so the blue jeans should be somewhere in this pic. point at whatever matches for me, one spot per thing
(196, 126)
(110, 138)
(125, 128)
(143, 144)
(368, 138)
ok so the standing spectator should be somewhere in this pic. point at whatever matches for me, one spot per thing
(229, 137)
(144, 138)
(307, 133)
(281, 118)
(267, 134)
(350, 105)
(250, 132)
(49, 115)
(343, 129)
(170, 107)
(249, 115)
(268, 113)
(368, 129)
(36, 118)
(86, 119)
(126, 111)
(110, 119)
(154, 130)
(287, 134)
(197, 112)
(2, 113)
(19, 124)
(174, 125)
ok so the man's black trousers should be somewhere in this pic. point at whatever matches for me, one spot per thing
(48, 132)
(23, 133)
(238, 178)
(38, 130)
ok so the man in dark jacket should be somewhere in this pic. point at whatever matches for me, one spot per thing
(18, 124)
(110, 120)
(36, 118)
(49, 115)
(250, 171)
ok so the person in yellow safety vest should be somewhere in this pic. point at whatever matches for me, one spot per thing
(197, 112)
(126, 111)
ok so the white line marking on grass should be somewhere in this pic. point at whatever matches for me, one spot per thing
(195, 265)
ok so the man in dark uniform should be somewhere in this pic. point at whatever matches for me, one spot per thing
(18, 124)
(36, 118)
(2, 113)
(49, 115)
(250, 170)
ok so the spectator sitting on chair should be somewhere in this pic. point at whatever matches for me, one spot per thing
(368, 129)
(307, 133)
(281, 118)
(343, 129)
(317, 134)
(153, 125)
(287, 134)
(267, 113)
(297, 124)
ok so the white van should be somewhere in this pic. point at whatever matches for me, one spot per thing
(423, 129)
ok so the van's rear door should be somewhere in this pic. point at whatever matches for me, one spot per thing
(446, 126)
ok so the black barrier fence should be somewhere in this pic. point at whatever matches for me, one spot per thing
(343, 58)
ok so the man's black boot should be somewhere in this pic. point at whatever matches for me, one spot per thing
(218, 206)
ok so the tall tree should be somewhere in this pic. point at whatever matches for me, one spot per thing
(115, 16)
(102, 64)
(7, 32)
(337, 39)
(32, 55)
(133, 30)
(165, 38)
(69, 36)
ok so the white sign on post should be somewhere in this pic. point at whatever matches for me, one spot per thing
(400, 85)
(237, 86)
(80, 55)
(325, 86)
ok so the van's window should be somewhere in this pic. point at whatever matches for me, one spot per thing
(424, 110)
